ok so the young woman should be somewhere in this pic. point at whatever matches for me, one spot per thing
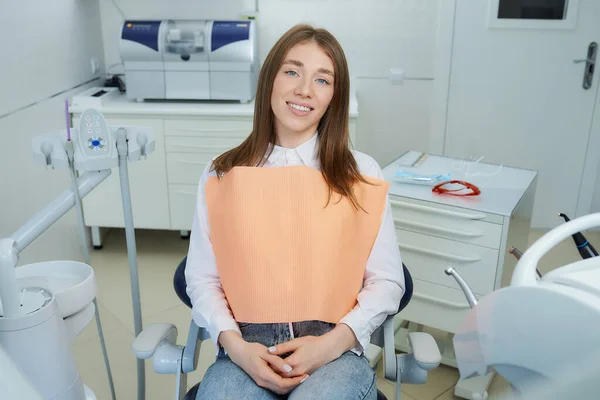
(293, 260)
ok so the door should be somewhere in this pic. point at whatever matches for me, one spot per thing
(517, 95)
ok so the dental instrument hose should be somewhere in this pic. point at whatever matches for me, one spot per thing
(86, 254)
(131, 251)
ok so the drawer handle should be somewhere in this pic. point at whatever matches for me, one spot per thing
(447, 303)
(447, 231)
(439, 254)
(207, 130)
(193, 146)
(197, 146)
(190, 162)
(186, 193)
(433, 210)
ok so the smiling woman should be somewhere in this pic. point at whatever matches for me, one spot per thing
(300, 66)
(301, 89)
(289, 284)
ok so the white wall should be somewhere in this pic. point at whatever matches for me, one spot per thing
(414, 35)
(46, 47)
(596, 198)
(376, 36)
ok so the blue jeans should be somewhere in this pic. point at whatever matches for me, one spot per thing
(347, 378)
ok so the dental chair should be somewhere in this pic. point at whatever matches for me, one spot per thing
(159, 342)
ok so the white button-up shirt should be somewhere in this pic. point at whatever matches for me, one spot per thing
(383, 284)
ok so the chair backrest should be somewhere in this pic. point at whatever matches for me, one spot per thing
(408, 289)
(179, 284)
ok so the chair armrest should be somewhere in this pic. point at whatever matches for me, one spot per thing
(425, 350)
(389, 350)
(192, 347)
(146, 343)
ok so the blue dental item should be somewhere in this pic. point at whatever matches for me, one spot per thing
(419, 179)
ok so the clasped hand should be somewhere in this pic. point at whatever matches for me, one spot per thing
(307, 354)
(282, 375)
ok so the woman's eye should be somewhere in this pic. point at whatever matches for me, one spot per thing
(323, 81)
(291, 73)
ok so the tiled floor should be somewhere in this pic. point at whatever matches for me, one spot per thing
(158, 255)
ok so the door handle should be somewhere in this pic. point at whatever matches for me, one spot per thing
(590, 62)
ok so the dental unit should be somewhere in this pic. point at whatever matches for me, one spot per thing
(45, 305)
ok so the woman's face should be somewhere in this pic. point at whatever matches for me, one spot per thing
(302, 90)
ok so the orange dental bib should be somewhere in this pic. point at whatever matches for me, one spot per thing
(283, 254)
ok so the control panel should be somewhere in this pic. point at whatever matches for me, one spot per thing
(94, 137)
(94, 143)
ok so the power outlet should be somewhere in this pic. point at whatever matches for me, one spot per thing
(94, 65)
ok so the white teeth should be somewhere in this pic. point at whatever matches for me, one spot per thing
(297, 107)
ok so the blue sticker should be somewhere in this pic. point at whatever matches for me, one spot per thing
(142, 32)
(227, 32)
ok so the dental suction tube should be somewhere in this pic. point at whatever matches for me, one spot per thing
(471, 299)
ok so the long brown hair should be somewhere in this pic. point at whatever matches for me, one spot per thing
(338, 166)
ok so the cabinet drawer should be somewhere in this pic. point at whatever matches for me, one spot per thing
(209, 145)
(427, 257)
(182, 202)
(444, 210)
(187, 168)
(209, 127)
(436, 306)
(463, 226)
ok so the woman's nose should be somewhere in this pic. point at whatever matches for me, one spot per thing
(304, 88)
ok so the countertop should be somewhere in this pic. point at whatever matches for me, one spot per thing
(502, 187)
(123, 106)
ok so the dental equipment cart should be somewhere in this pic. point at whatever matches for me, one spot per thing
(471, 234)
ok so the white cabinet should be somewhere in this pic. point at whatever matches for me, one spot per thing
(182, 203)
(471, 234)
(164, 187)
(191, 144)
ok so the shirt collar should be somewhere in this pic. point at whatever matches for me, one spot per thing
(307, 151)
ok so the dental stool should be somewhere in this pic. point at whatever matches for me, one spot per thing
(159, 342)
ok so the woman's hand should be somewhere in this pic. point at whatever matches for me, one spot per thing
(259, 364)
(312, 352)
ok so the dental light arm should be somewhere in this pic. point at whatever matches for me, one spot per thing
(46, 217)
(524, 274)
(514, 330)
